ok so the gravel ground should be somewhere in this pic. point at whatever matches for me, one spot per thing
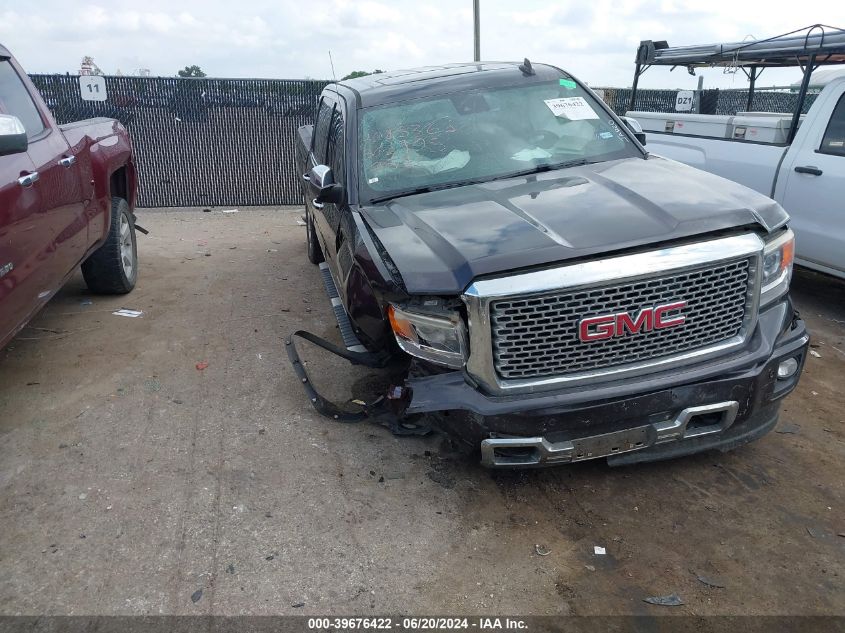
(132, 482)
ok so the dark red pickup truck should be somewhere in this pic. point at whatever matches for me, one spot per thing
(67, 195)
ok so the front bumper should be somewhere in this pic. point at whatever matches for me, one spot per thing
(692, 422)
(718, 405)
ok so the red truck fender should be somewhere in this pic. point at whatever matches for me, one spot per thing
(110, 165)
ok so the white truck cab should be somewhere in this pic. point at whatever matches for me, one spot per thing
(798, 160)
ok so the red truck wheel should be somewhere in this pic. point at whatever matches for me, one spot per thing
(113, 268)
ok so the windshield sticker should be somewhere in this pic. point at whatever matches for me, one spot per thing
(568, 83)
(616, 129)
(606, 135)
(572, 108)
(372, 180)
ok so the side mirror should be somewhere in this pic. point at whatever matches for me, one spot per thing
(635, 127)
(323, 187)
(333, 194)
(12, 135)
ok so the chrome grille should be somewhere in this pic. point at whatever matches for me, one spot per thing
(537, 336)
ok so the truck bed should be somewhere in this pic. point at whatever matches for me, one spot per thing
(754, 165)
(93, 130)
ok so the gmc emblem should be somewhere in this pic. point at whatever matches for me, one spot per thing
(606, 326)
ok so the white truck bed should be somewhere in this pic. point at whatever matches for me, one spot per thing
(751, 164)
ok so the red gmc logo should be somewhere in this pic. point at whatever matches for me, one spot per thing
(606, 326)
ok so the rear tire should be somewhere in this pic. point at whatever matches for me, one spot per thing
(113, 268)
(315, 253)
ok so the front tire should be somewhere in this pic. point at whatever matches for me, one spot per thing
(113, 268)
(315, 253)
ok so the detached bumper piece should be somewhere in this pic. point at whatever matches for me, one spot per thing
(323, 405)
(387, 409)
(521, 452)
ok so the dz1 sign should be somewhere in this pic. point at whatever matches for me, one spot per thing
(683, 101)
(92, 88)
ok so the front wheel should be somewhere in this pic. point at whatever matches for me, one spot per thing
(113, 268)
(315, 253)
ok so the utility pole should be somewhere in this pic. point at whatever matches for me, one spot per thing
(477, 29)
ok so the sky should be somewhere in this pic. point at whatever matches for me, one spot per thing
(595, 40)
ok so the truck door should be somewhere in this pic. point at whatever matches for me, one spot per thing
(336, 160)
(56, 222)
(19, 243)
(814, 190)
(319, 147)
(22, 232)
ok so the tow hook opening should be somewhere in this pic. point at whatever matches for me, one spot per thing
(524, 453)
(513, 455)
(705, 421)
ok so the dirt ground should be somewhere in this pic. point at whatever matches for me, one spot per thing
(132, 482)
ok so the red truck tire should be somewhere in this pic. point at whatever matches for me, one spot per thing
(113, 268)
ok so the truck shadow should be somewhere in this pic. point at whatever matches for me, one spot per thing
(820, 293)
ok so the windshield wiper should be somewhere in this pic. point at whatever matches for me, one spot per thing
(546, 167)
(463, 183)
(426, 189)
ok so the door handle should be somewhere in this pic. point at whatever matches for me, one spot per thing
(67, 161)
(28, 180)
(815, 171)
(317, 205)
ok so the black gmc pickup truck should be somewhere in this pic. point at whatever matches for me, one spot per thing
(537, 284)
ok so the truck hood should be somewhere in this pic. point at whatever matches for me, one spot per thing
(440, 241)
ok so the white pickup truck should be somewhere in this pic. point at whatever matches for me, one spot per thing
(806, 176)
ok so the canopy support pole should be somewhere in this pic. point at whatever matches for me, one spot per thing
(802, 95)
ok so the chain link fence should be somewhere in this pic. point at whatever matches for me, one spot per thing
(201, 142)
(213, 142)
(713, 101)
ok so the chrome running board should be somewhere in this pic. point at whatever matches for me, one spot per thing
(346, 331)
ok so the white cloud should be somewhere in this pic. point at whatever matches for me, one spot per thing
(287, 39)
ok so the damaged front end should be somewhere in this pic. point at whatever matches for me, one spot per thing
(430, 336)
(518, 370)
(717, 405)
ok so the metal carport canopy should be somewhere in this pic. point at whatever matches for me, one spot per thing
(825, 42)
(808, 48)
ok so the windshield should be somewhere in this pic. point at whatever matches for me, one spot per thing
(482, 135)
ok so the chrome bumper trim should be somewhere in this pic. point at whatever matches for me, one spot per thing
(538, 451)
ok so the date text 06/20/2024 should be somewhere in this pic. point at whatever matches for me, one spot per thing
(416, 624)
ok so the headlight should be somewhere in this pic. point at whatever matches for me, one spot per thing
(437, 339)
(777, 266)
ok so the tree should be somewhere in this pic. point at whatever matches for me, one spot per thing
(192, 71)
(88, 67)
(361, 73)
